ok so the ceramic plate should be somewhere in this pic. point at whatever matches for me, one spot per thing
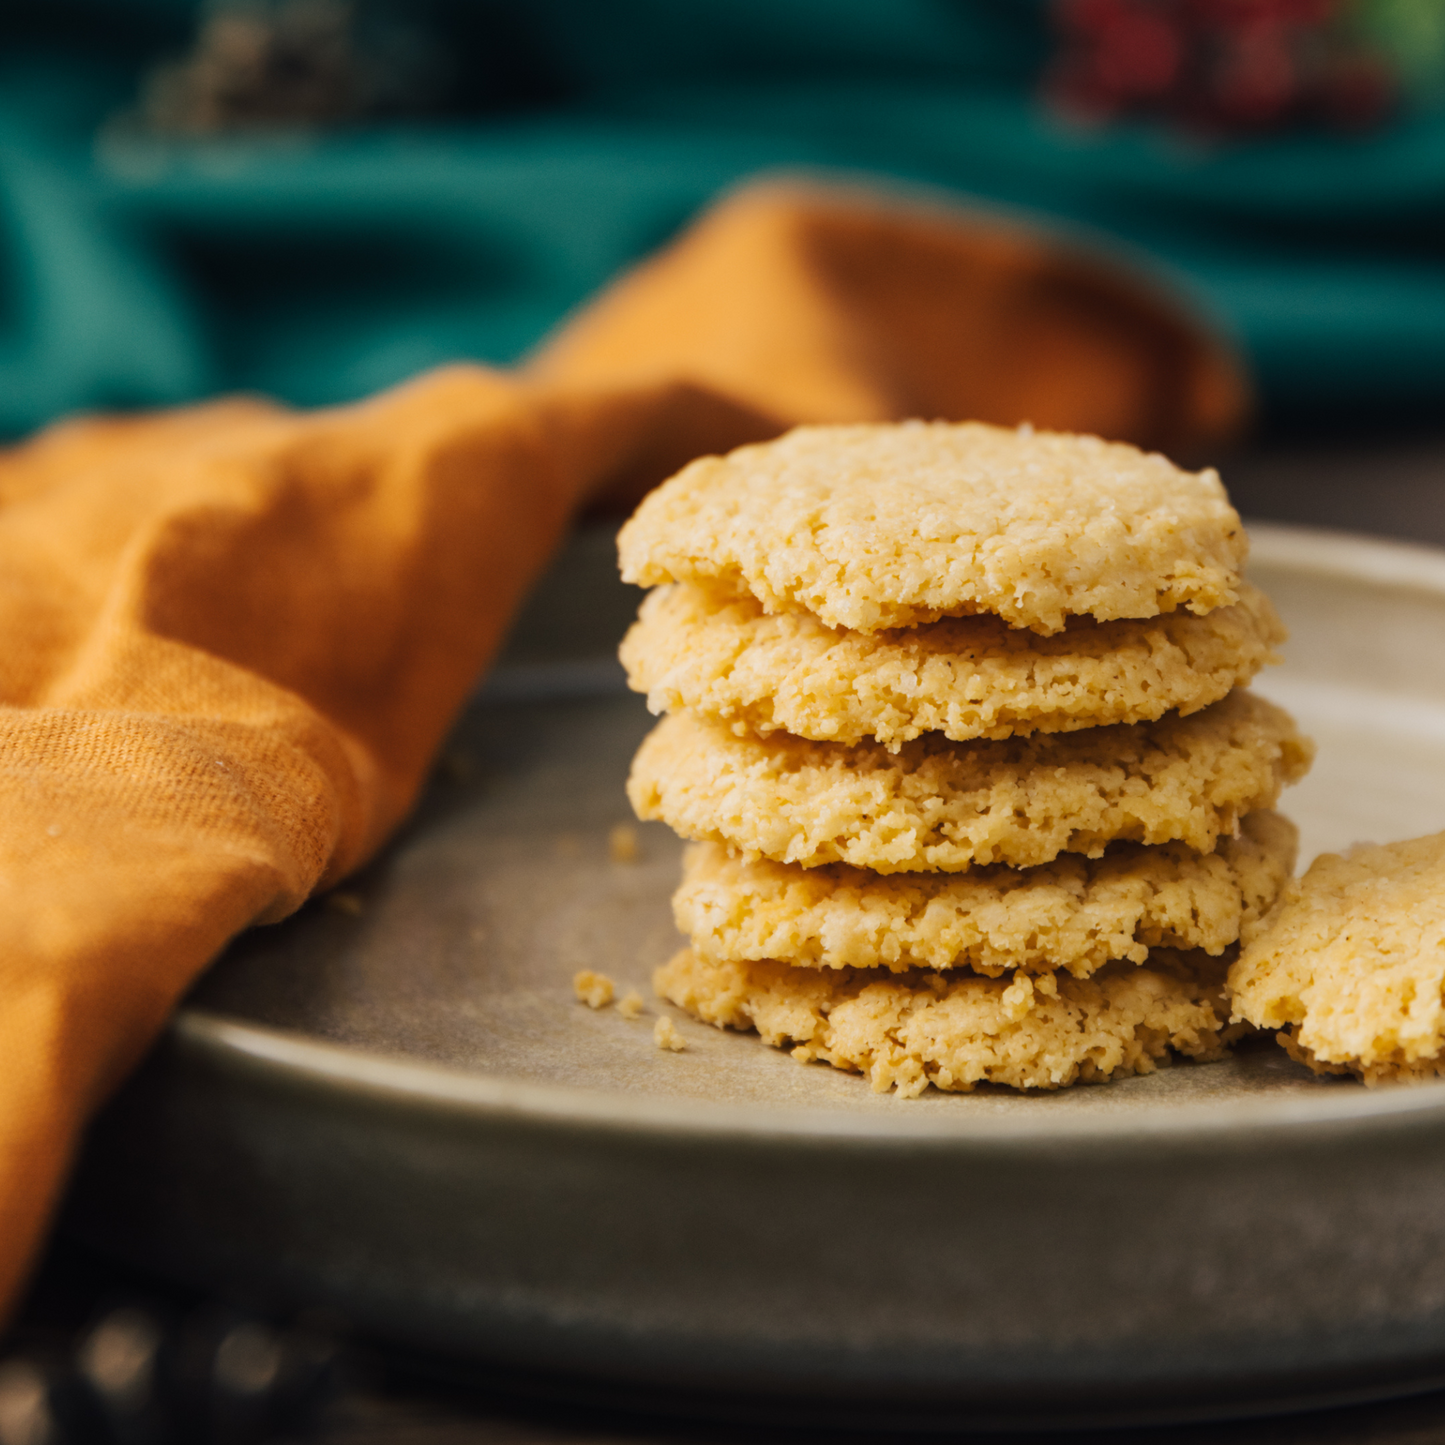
(393, 1105)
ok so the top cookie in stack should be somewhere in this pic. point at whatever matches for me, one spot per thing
(954, 715)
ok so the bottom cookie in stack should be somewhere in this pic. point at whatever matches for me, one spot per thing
(1074, 971)
(907, 1031)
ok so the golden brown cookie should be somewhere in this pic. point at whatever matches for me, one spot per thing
(1351, 964)
(892, 525)
(1074, 914)
(954, 1031)
(966, 677)
(941, 805)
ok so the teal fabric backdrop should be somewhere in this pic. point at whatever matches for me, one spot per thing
(580, 134)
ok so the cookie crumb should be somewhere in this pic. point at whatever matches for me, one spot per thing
(666, 1036)
(593, 989)
(622, 845)
(630, 1005)
(347, 903)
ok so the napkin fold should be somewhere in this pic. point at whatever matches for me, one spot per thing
(236, 634)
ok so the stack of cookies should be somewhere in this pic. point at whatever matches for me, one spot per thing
(955, 719)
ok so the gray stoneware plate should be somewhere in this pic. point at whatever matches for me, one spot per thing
(393, 1106)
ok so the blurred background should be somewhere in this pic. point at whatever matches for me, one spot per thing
(318, 198)
(315, 199)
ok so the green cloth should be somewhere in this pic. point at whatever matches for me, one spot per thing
(321, 267)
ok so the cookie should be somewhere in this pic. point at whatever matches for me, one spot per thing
(1075, 914)
(906, 1031)
(941, 805)
(966, 677)
(882, 526)
(1351, 964)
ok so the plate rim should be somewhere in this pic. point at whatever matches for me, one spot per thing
(311, 1065)
(304, 1062)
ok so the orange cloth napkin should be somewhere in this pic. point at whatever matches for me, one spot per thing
(234, 635)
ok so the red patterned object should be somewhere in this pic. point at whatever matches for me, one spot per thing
(1217, 66)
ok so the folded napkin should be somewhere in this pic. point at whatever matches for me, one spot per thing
(236, 634)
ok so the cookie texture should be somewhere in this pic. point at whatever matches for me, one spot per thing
(966, 677)
(907, 1031)
(1351, 964)
(1074, 914)
(947, 806)
(880, 526)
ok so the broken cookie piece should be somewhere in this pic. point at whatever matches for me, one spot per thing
(1350, 965)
